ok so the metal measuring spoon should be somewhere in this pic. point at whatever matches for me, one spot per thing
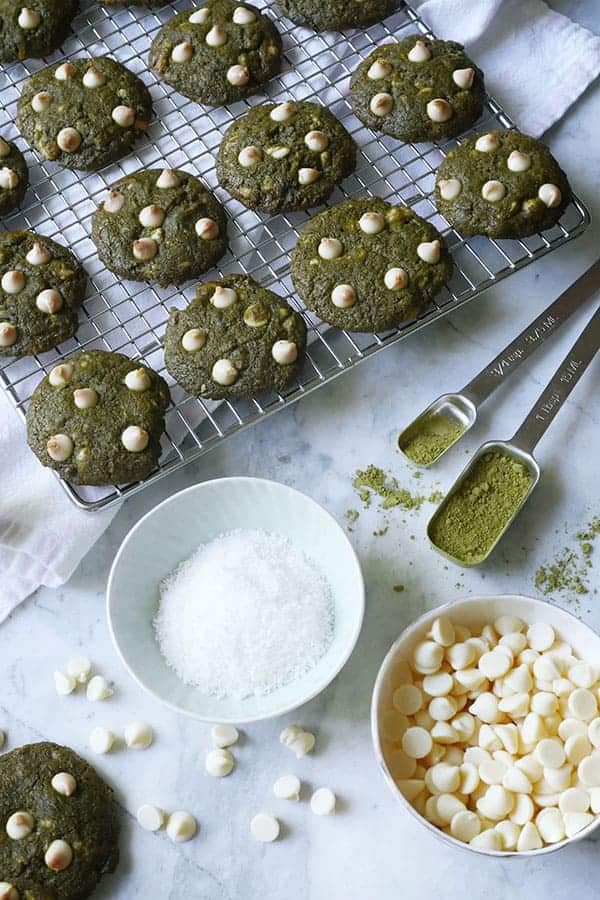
(521, 446)
(459, 410)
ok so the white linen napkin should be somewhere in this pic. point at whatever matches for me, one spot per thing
(43, 536)
(536, 61)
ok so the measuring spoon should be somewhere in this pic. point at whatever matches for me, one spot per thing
(521, 446)
(458, 412)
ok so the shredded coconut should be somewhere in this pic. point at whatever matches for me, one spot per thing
(245, 615)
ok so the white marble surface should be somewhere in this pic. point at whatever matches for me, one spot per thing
(371, 849)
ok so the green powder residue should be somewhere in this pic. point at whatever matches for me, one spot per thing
(433, 436)
(468, 525)
(568, 572)
(398, 588)
(379, 532)
(373, 481)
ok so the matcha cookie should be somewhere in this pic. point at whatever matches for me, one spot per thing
(333, 15)
(160, 225)
(97, 418)
(85, 113)
(218, 53)
(42, 286)
(59, 825)
(31, 32)
(284, 157)
(367, 266)
(14, 176)
(235, 339)
(418, 90)
(502, 184)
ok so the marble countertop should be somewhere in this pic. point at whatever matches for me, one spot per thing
(371, 848)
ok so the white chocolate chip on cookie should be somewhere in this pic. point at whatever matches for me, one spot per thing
(371, 223)
(243, 16)
(381, 104)
(430, 251)
(550, 195)
(85, 398)
(206, 229)
(284, 352)
(135, 439)
(145, 249)
(249, 156)
(493, 191)
(379, 69)
(38, 255)
(151, 216)
(61, 375)
(238, 76)
(59, 856)
(486, 143)
(283, 112)
(216, 37)
(41, 101)
(182, 52)
(93, 78)
(463, 78)
(68, 139)
(193, 340)
(316, 141)
(49, 301)
(308, 176)
(439, 110)
(419, 53)
(343, 296)
(330, 248)
(8, 334)
(223, 297)
(395, 279)
(64, 783)
(449, 188)
(138, 380)
(224, 372)
(28, 19)
(60, 448)
(13, 281)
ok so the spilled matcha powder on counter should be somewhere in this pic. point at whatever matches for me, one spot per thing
(373, 482)
(568, 572)
(468, 525)
(431, 438)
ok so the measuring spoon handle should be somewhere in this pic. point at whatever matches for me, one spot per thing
(560, 386)
(533, 336)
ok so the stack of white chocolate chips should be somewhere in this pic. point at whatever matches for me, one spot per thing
(493, 738)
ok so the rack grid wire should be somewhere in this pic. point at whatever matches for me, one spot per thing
(130, 317)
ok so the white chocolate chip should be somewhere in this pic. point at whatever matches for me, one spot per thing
(249, 156)
(181, 826)
(145, 249)
(124, 116)
(59, 856)
(278, 152)
(8, 334)
(9, 179)
(419, 53)
(316, 141)
(518, 161)
(28, 18)
(287, 787)
(550, 195)
(207, 229)
(98, 688)
(199, 17)
(449, 188)
(93, 78)
(439, 110)
(243, 16)
(101, 740)
(135, 439)
(343, 296)
(463, 78)
(138, 380)
(381, 104)
(379, 69)
(193, 340)
(486, 143)
(330, 248)
(430, 251)
(216, 37)
(60, 375)
(138, 735)
(529, 839)
(264, 828)
(151, 216)
(224, 372)
(395, 279)
(150, 817)
(19, 825)
(13, 281)
(59, 448)
(64, 783)
(238, 76)
(322, 802)
(168, 178)
(576, 822)
(465, 826)
(114, 201)
(49, 301)
(582, 704)
(224, 735)
(416, 742)
(284, 352)
(68, 139)
(64, 71)
(38, 255)
(223, 297)
(289, 734)
(493, 191)
(219, 763)
(182, 52)
(85, 398)
(302, 744)
(283, 112)
(41, 101)
(371, 223)
(308, 175)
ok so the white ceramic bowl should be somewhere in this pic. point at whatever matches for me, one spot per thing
(172, 531)
(475, 612)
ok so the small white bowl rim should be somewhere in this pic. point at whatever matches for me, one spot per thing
(285, 708)
(411, 629)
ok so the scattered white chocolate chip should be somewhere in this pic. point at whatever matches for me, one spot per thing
(182, 52)
(199, 17)
(223, 297)
(64, 684)
(395, 279)
(216, 37)
(168, 178)
(463, 78)
(439, 110)
(243, 16)
(98, 689)
(13, 281)
(49, 301)
(101, 739)
(150, 817)
(124, 116)
(371, 223)
(181, 826)
(316, 141)
(381, 104)
(93, 78)
(8, 334)
(287, 787)
(138, 380)
(145, 249)
(278, 152)
(68, 139)
(430, 251)
(38, 255)
(419, 53)
(550, 195)
(343, 296)
(284, 352)
(64, 783)
(151, 216)
(518, 161)
(224, 735)
(28, 18)
(289, 734)
(449, 188)
(219, 763)
(379, 69)
(85, 398)
(19, 825)
(135, 439)
(64, 71)
(224, 372)
(193, 340)
(486, 143)
(493, 191)
(302, 744)
(9, 179)
(249, 156)
(41, 101)
(264, 828)
(207, 229)
(59, 856)
(60, 375)
(238, 76)
(59, 448)
(323, 802)
(114, 202)
(138, 735)
(330, 248)
(282, 112)
(308, 175)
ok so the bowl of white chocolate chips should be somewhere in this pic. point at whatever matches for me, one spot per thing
(486, 724)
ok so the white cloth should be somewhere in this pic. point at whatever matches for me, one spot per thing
(536, 61)
(43, 536)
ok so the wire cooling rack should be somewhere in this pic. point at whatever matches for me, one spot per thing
(130, 317)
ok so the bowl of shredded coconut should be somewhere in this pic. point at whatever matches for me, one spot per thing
(235, 600)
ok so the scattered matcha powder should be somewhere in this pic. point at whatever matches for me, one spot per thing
(432, 437)
(351, 515)
(398, 588)
(373, 481)
(568, 572)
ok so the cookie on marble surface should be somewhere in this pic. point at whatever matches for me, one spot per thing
(235, 339)
(418, 89)
(285, 156)
(31, 32)
(502, 184)
(59, 824)
(97, 418)
(42, 286)
(160, 225)
(366, 265)
(84, 113)
(333, 15)
(14, 176)
(218, 53)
